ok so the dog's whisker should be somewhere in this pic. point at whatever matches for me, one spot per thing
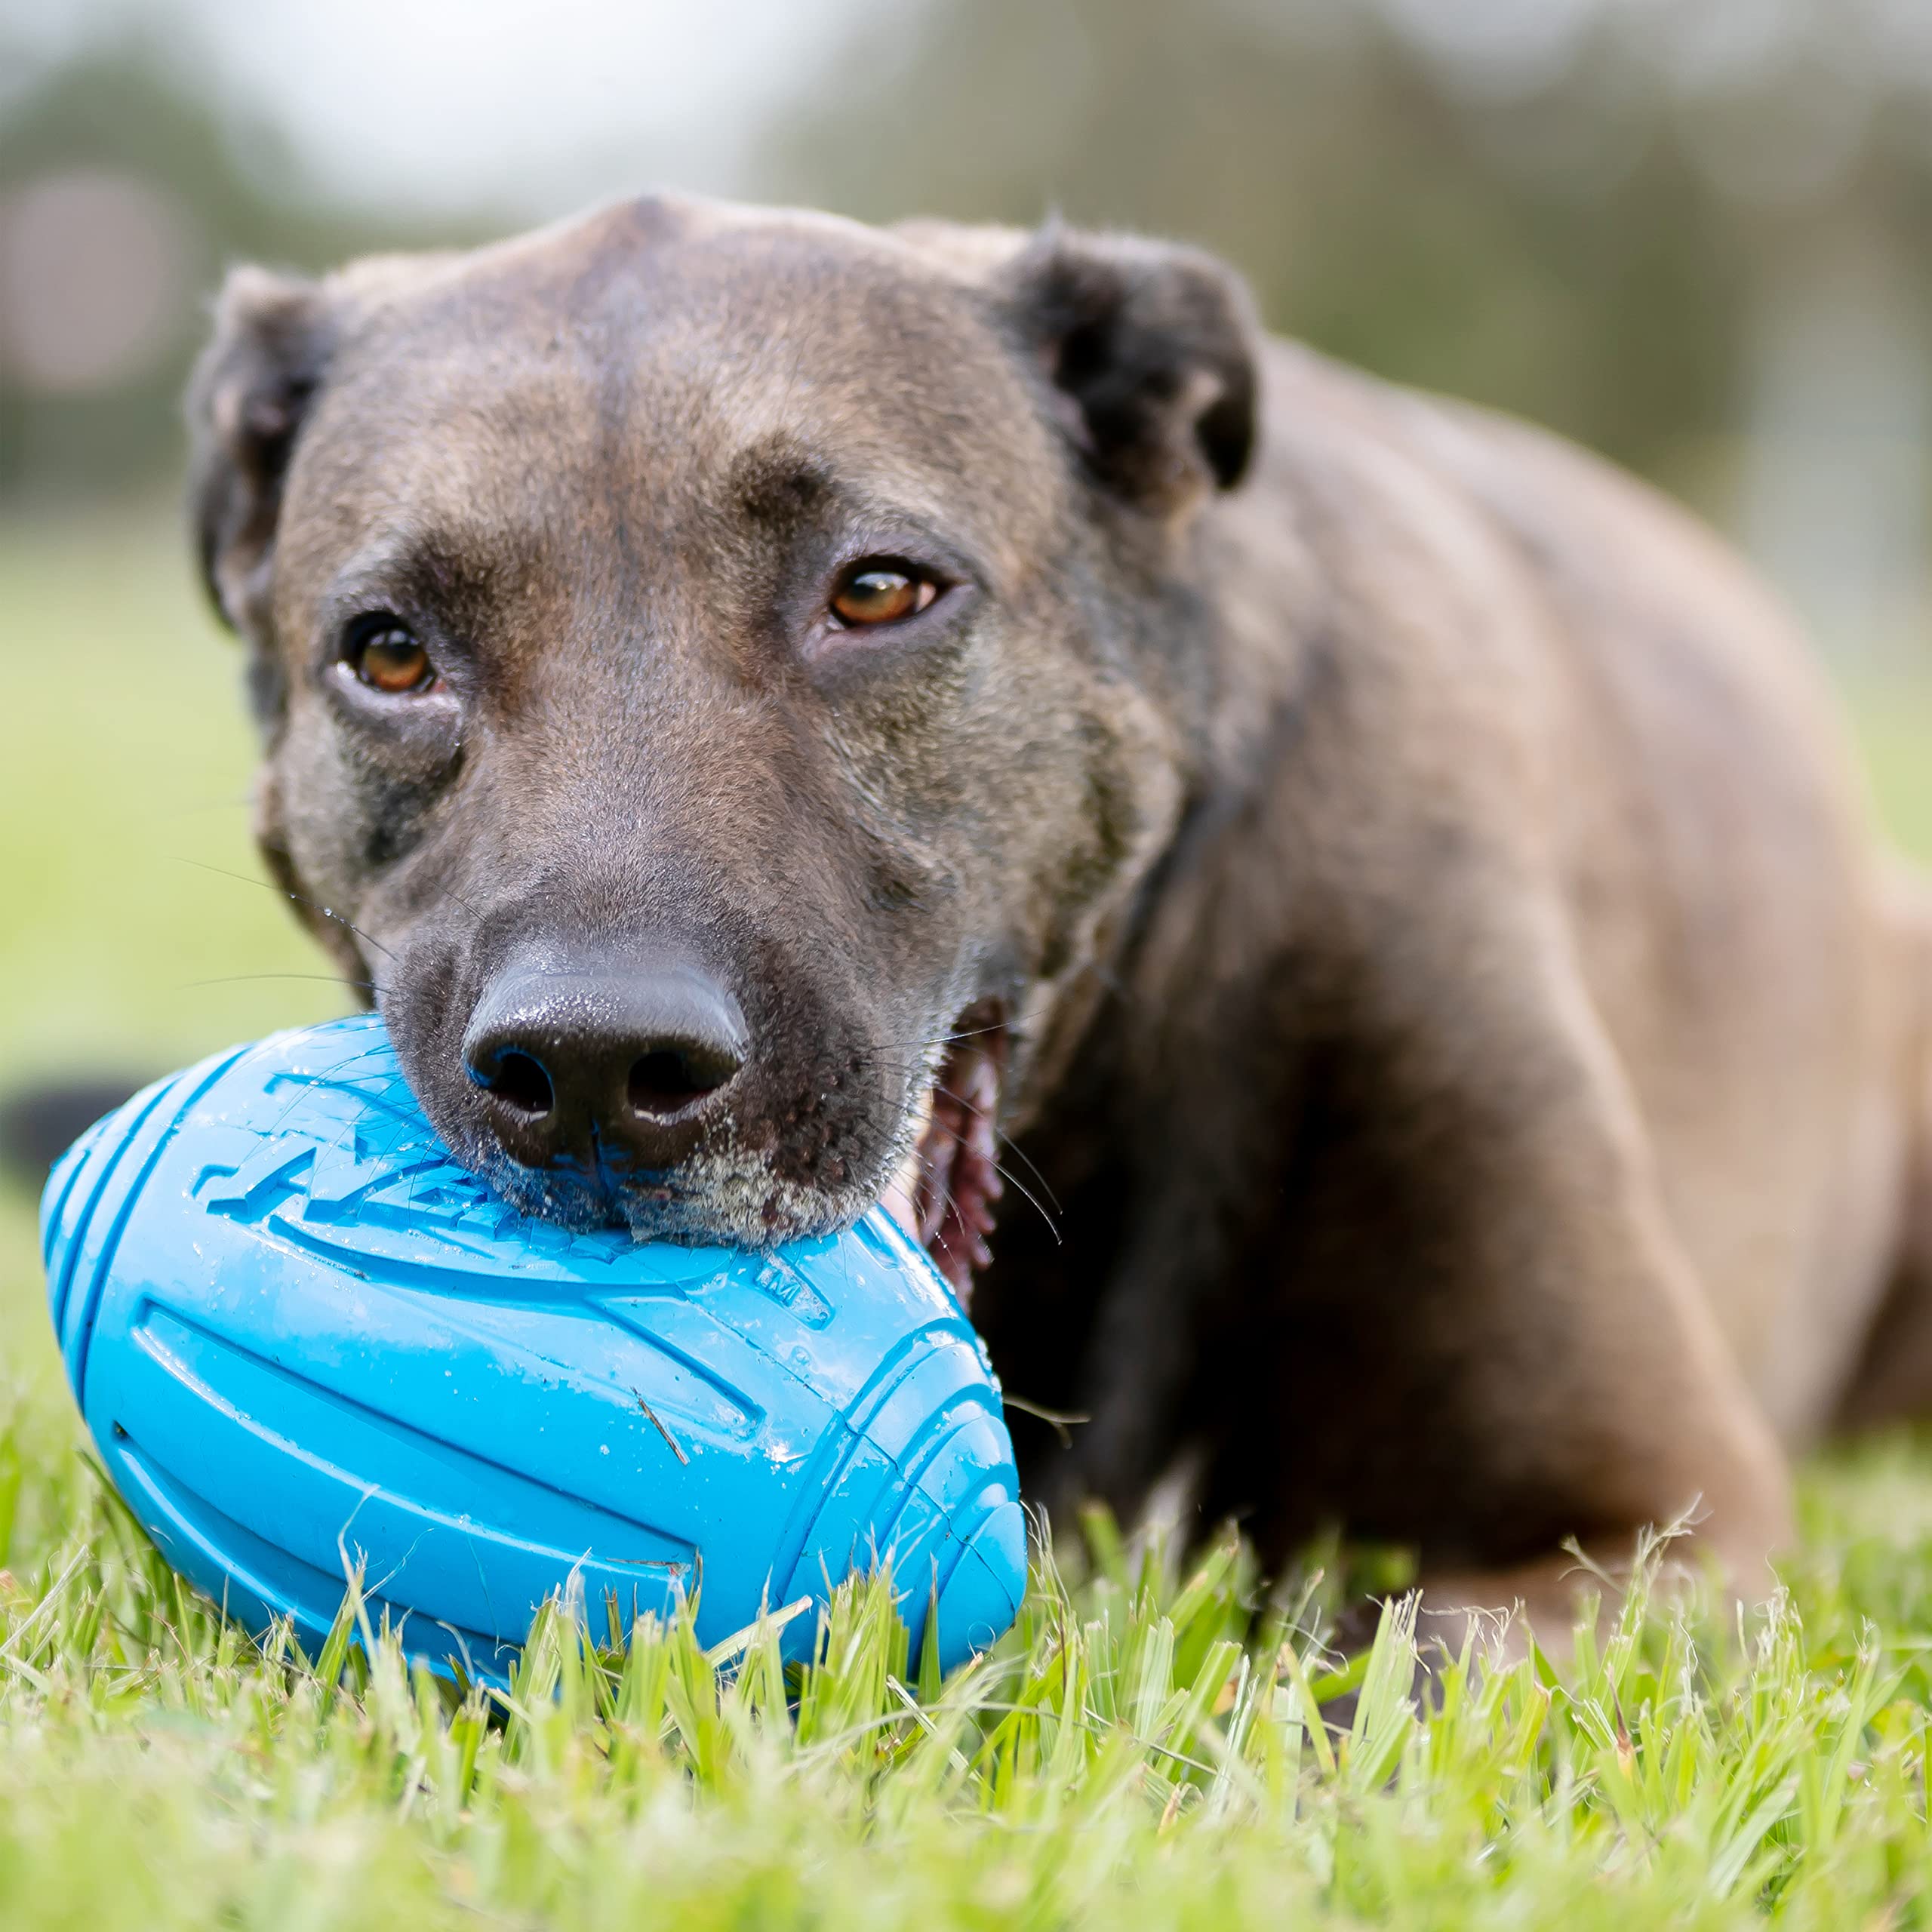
(451, 893)
(319, 979)
(296, 898)
(1012, 1179)
(1026, 1193)
(939, 1176)
(923, 1045)
(1018, 1151)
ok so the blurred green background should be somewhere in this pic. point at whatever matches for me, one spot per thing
(1691, 233)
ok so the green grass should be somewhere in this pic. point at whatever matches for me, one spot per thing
(1144, 1749)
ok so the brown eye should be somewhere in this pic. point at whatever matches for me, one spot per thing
(387, 658)
(878, 593)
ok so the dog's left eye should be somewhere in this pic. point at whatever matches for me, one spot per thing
(877, 590)
(386, 656)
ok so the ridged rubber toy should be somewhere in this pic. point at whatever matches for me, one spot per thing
(302, 1337)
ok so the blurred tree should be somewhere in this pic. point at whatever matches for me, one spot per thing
(1584, 248)
(132, 117)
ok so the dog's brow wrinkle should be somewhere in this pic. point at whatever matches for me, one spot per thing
(777, 479)
(463, 576)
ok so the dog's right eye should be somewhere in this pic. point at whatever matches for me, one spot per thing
(386, 656)
(877, 590)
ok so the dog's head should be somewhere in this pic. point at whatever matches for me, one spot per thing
(720, 678)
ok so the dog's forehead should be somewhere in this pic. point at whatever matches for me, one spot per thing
(694, 351)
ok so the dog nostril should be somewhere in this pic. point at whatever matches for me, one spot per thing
(521, 1080)
(671, 1078)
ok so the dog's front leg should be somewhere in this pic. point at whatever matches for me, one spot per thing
(1468, 1325)
(1587, 1386)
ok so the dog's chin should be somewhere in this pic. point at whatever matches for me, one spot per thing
(708, 1202)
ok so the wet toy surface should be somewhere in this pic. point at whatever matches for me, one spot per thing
(302, 1338)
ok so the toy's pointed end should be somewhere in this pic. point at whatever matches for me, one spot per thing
(55, 1230)
(65, 1203)
(982, 1596)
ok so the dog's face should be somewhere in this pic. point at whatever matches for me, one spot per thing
(712, 669)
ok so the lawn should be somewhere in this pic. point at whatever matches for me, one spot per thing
(1146, 1748)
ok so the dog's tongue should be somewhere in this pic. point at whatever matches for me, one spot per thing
(944, 1194)
(961, 1183)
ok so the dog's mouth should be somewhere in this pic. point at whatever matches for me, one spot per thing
(945, 1191)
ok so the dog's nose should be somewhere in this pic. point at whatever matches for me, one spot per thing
(618, 1061)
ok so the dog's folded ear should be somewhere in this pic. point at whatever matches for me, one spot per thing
(246, 404)
(1152, 351)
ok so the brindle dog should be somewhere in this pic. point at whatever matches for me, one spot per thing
(765, 706)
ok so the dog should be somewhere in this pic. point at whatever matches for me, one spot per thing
(779, 714)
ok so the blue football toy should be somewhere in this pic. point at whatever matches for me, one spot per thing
(302, 1337)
